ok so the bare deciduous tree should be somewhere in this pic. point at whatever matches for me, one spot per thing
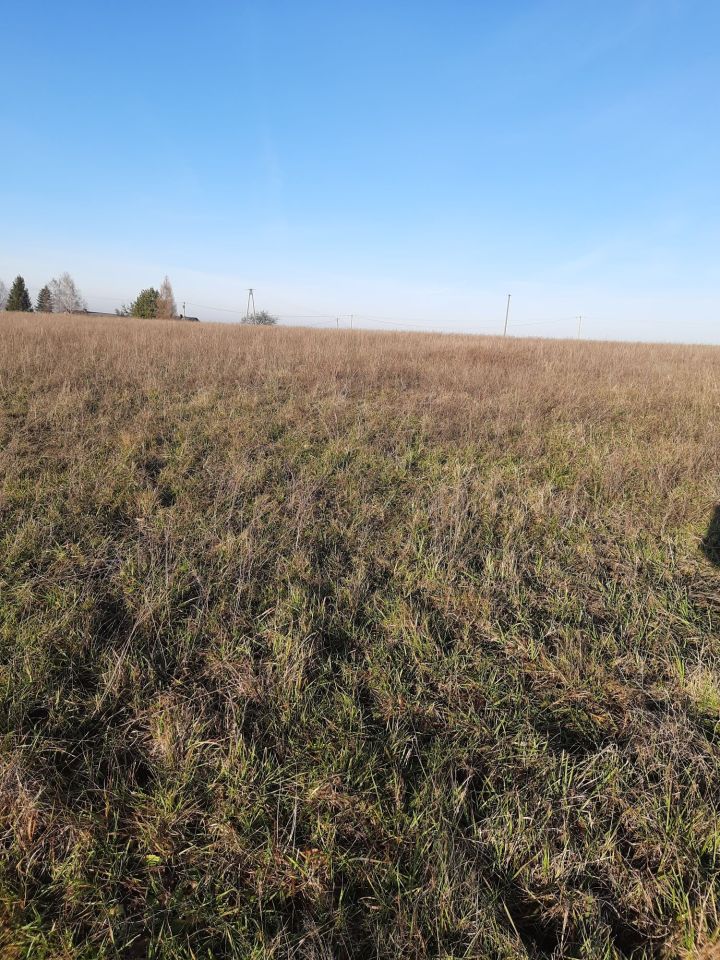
(65, 295)
(3, 295)
(260, 319)
(166, 306)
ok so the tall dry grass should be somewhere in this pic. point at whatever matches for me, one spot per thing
(325, 644)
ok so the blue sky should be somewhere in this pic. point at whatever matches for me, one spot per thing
(411, 161)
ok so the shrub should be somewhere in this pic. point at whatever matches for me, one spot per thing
(261, 319)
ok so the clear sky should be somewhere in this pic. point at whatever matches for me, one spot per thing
(405, 160)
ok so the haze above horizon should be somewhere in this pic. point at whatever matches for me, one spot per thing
(405, 161)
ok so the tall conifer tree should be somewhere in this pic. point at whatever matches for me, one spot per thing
(19, 298)
(44, 301)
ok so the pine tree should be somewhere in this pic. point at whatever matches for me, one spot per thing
(19, 298)
(146, 304)
(44, 301)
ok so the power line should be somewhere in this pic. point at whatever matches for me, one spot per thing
(374, 318)
(393, 321)
(286, 316)
(353, 319)
(204, 306)
(318, 320)
(532, 323)
(310, 316)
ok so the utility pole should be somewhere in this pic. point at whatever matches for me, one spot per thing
(183, 309)
(507, 314)
(251, 300)
(579, 325)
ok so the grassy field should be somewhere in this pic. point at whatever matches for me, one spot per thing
(352, 645)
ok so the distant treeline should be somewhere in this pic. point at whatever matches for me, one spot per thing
(62, 295)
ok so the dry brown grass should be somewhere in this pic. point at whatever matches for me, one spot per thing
(325, 644)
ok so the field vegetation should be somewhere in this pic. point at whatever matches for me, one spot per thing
(356, 645)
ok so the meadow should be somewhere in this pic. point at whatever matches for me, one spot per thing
(344, 644)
